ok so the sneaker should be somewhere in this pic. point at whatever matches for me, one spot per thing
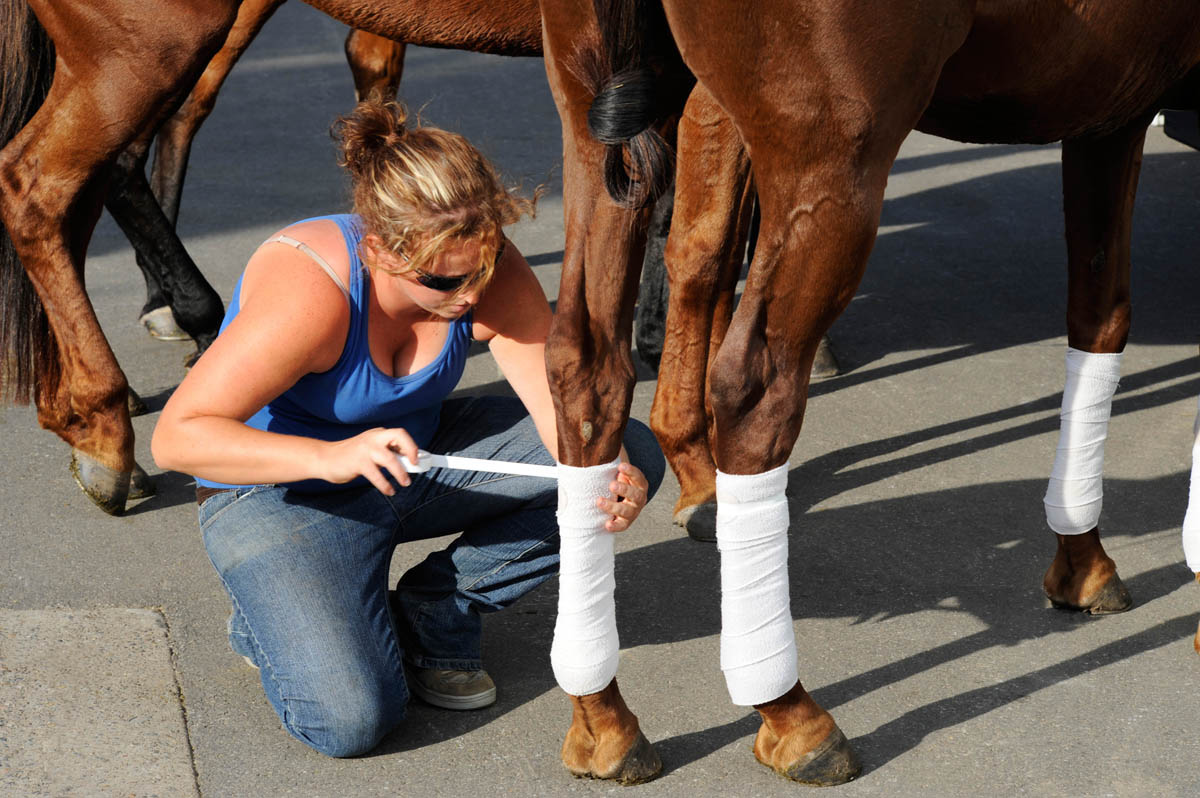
(452, 689)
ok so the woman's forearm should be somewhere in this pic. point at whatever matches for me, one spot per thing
(226, 450)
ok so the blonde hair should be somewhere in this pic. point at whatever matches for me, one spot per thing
(419, 187)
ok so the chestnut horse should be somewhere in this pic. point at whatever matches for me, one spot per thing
(822, 109)
(61, 359)
(85, 147)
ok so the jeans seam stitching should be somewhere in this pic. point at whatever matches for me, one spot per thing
(428, 502)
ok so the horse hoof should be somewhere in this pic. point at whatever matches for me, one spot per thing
(832, 762)
(161, 324)
(135, 404)
(700, 521)
(107, 488)
(640, 764)
(824, 364)
(141, 486)
(1112, 598)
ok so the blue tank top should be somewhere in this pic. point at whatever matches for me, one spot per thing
(355, 395)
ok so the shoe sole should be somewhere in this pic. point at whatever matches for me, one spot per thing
(456, 702)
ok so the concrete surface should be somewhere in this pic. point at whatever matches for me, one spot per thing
(89, 705)
(918, 539)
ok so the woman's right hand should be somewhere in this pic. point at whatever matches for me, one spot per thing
(370, 454)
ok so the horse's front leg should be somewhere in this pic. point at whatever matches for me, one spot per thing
(713, 202)
(1099, 182)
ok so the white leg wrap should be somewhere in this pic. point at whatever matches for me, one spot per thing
(585, 649)
(1075, 493)
(1191, 521)
(758, 646)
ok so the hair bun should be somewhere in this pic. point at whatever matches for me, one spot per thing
(368, 133)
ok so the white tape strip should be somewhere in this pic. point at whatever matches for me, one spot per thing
(426, 461)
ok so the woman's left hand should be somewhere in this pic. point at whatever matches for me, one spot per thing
(633, 490)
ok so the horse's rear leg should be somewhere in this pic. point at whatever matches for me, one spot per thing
(105, 90)
(713, 201)
(1099, 182)
(376, 63)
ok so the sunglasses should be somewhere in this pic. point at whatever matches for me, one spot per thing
(445, 284)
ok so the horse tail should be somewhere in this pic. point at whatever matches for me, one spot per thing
(626, 103)
(27, 345)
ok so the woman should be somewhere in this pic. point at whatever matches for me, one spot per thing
(343, 339)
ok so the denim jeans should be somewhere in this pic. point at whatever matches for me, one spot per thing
(307, 573)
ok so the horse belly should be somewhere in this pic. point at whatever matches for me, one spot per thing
(1035, 71)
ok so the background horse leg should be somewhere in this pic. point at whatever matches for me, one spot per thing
(195, 309)
(713, 202)
(1099, 183)
(376, 63)
(109, 85)
(180, 303)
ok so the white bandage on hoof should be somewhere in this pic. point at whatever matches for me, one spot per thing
(1075, 493)
(1191, 521)
(585, 649)
(758, 646)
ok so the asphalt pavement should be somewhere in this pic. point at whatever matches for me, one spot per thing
(917, 535)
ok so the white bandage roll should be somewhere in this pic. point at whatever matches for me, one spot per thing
(585, 650)
(1191, 521)
(758, 645)
(1075, 493)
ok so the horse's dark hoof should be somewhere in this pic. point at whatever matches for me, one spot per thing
(141, 486)
(700, 521)
(1112, 598)
(135, 404)
(161, 324)
(107, 488)
(832, 762)
(824, 364)
(639, 765)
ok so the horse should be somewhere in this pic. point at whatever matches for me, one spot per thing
(76, 71)
(819, 113)
(46, 357)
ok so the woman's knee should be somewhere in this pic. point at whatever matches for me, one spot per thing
(345, 722)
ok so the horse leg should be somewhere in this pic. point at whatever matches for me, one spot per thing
(194, 306)
(822, 126)
(1099, 183)
(180, 303)
(109, 85)
(590, 368)
(376, 63)
(713, 201)
(174, 143)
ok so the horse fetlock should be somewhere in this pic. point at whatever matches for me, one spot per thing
(800, 740)
(107, 487)
(605, 741)
(1083, 577)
